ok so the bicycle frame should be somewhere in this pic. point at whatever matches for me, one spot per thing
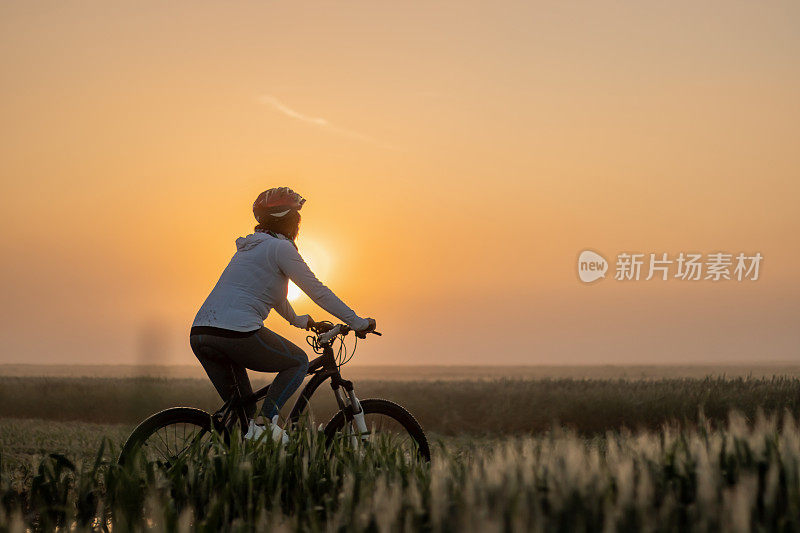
(320, 369)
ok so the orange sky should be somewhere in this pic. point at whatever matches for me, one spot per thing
(456, 157)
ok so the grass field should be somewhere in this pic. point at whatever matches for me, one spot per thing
(737, 478)
(509, 455)
(447, 407)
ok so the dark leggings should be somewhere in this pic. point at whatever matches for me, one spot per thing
(226, 355)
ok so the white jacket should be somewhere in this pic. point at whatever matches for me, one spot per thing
(257, 279)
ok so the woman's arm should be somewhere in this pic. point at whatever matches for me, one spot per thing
(292, 264)
(286, 310)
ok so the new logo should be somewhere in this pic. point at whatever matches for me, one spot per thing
(591, 266)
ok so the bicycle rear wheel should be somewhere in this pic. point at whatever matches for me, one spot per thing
(390, 429)
(166, 436)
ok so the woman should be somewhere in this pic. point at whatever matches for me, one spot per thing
(228, 335)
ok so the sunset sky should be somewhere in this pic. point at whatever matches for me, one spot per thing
(456, 157)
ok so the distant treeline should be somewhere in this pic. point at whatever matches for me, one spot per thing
(445, 407)
(434, 372)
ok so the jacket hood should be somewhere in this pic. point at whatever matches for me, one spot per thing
(254, 239)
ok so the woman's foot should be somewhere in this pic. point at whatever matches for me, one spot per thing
(255, 430)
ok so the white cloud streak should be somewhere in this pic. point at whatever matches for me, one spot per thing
(318, 121)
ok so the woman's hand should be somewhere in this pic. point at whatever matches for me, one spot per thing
(318, 327)
(362, 334)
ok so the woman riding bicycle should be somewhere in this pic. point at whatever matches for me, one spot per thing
(228, 335)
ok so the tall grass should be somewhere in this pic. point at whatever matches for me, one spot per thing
(738, 477)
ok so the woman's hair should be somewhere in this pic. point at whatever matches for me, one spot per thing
(287, 225)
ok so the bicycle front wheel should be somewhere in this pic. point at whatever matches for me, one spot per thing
(390, 429)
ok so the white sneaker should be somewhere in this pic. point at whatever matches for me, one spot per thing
(254, 431)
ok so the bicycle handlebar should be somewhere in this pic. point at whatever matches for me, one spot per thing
(342, 329)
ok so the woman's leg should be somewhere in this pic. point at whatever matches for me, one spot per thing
(267, 351)
(226, 375)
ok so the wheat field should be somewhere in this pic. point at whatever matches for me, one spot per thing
(508, 455)
(741, 477)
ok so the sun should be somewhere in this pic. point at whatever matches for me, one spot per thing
(294, 291)
(318, 261)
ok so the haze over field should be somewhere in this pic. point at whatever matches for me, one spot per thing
(456, 157)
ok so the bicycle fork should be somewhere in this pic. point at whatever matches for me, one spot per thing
(355, 424)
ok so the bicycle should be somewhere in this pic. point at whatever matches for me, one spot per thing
(163, 437)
